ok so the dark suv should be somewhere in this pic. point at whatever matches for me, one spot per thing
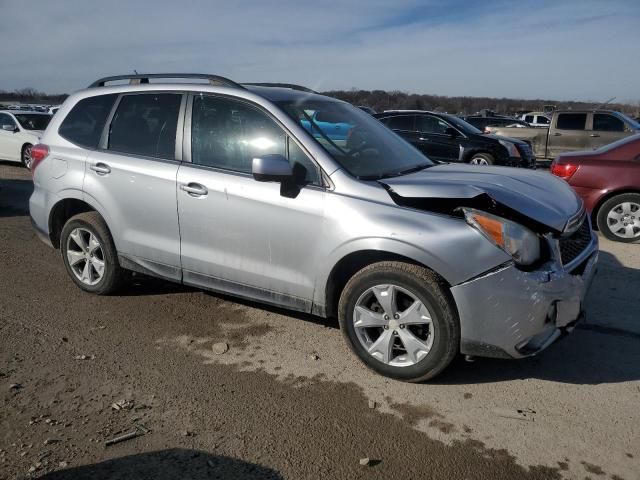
(447, 138)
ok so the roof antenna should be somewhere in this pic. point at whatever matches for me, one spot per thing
(605, 103)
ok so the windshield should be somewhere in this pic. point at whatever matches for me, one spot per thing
(33, 122)
(460, 124)
(358, 142)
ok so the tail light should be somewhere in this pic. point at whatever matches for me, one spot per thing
(38, 153)
(564, 170)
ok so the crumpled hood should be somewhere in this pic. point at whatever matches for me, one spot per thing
(546, 199)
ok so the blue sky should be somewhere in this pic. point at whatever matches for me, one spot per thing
(582, 49)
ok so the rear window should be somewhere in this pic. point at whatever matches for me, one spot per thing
(403, 122)
(145, 124)
(571, 121)
(84, 123)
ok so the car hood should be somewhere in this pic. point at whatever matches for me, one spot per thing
(506, 139)
(540, 196)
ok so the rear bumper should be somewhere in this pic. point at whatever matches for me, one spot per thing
(509, 313)
(39, 212)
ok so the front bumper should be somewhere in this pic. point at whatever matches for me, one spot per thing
(510, 313)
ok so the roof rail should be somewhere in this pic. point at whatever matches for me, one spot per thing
(140, 78)
(292, 86)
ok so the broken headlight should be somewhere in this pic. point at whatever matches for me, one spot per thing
(518, 241)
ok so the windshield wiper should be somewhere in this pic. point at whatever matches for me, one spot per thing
(406, 171)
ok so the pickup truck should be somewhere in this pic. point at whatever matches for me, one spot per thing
(571, 130)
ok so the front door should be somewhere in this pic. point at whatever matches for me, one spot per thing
(133, 179)
(607, 128)
(238, 235)
(434, 139)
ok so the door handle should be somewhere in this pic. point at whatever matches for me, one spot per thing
(594, 135)
(557, 134)
(194, 189)
(100, 168)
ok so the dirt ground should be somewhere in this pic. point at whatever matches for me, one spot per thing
(288, 399)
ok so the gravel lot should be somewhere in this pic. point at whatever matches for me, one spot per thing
(288, 400)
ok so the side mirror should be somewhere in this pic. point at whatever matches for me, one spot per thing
(452, 132)
(9, 128)
(271, 168)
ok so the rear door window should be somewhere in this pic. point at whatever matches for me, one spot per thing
(529, 119)
(85, 122)
(401, 122)
(603, 122)
(571, 121)
(145, 124)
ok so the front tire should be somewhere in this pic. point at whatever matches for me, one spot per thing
(89, 254)
(400, 320)
(25, 155)
(483, 159)
(619, 218)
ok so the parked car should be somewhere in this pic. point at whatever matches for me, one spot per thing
(484, 122)
(536, 119)
(19, 132)
(320, 123)
(222, 186)
(573, 130)
(369, 110)
(447, 138)
(608, 180)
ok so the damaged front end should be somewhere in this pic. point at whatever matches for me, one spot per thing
(519, 308)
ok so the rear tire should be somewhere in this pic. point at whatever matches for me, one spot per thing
(25, 155)
(618, 218)
(484, 159)
(413, 349)
(89, 254)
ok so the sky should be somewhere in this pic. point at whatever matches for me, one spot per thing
(564, 50)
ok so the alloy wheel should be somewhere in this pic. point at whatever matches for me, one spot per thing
(393, 325)
(479, 161)
(85, 256)
(26, 156)
(624, 220)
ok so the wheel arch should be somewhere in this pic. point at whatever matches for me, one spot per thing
(607, 196)
(62, 211)
(352, 263)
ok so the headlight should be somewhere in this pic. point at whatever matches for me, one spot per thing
(511, 148)
(519, 242)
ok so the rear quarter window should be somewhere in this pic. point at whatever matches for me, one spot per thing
(85, 122)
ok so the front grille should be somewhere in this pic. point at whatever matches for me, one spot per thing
(574, 244)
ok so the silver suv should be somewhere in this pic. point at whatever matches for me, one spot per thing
(287, 197)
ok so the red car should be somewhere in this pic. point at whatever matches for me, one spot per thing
(608, 180)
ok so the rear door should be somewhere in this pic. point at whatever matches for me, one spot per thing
(132, 176)
(238, 235)
(403, 125)
(607, 128)
(568, 134)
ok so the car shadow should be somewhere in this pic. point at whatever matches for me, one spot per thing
(14, 197)
(171, 464)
